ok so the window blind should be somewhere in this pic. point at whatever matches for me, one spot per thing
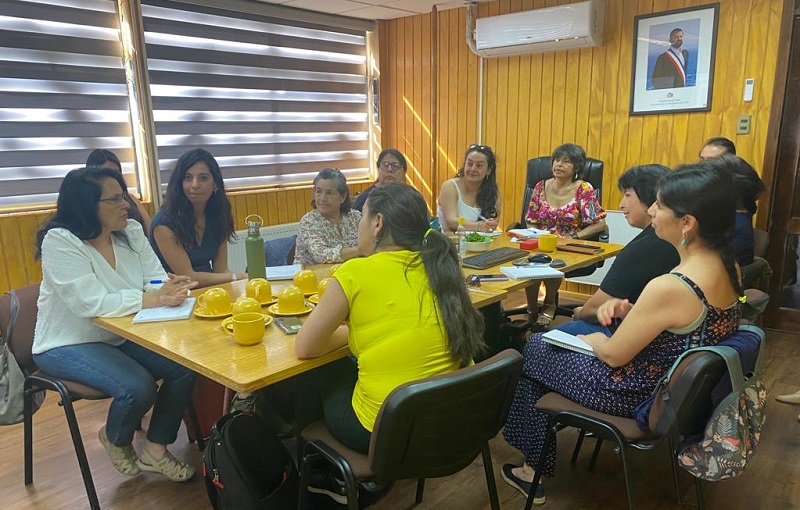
(62, 94)
(275, 101)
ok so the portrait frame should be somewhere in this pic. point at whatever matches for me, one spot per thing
(673, 60)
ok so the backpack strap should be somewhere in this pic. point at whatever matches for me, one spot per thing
(13, 312)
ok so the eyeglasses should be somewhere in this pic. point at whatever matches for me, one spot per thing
(479, 148)
(117, 199)
(385, 165)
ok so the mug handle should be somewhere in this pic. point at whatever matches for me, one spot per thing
(225, 323)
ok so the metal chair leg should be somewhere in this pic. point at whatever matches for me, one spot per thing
(420, 490)
(674, 465)
(490, 482)
(537, 477)
(198, 433)
(27, 413)
(578, 445)
(595, 454)
(80, 452)
(698, 487)
(628, 488)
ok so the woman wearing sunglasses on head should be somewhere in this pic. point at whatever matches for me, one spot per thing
(472, 193)
(392, 167)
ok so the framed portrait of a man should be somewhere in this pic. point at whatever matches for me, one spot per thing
(673, 60)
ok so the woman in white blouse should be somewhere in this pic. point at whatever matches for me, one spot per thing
(97, 263)
(328, 233)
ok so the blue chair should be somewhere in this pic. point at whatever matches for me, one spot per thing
(280, 251)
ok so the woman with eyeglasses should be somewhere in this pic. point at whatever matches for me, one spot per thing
(96, 262)
(107, 159)
(191, 230)
(392, 167)
(472, 193)
(566, 206)
(329, 232)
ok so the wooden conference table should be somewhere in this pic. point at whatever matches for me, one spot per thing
(203, 346)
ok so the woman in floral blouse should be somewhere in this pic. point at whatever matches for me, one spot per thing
(566, 206)
(329, 232)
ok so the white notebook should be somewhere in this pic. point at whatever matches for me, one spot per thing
(567, 341)
(282, 272)
(542, 271)
(165, 313)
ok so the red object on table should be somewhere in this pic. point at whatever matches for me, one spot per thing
(530, 244)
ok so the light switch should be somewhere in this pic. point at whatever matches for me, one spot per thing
(743, 124)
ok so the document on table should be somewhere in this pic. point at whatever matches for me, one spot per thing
(282, 272)
(527, 233)
(165, 313)
(534, 272)
(567, 341)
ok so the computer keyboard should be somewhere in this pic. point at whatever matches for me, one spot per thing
(493, 257)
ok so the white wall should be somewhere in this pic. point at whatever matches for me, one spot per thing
(619, 232)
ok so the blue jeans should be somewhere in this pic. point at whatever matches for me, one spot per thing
(583, 328)
(128, 373)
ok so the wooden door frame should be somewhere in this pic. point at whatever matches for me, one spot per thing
(780, 147)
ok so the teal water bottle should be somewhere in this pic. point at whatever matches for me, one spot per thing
(254, 248)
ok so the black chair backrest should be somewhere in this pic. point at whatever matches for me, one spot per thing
(690, 390)
(21, 339)
(540, 169)
(437, 426)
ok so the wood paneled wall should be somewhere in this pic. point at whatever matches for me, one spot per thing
(18, 231)
(532, 103)
(430, 102)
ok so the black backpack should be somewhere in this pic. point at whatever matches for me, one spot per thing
(246, 466)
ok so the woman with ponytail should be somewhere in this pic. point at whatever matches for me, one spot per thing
(402, 308)
(697, 303)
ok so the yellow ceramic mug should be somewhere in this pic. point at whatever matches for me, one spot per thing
(246, 304)
(548, 242)
(260, 289)
(215, 301)
(248, 328)
(306, 280)
(323, 284)
(291, 300)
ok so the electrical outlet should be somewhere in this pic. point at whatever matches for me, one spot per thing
(743, 124)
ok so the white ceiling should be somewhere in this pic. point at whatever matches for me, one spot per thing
(372, 9)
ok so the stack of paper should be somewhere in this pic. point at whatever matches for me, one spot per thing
(527, 233)
(567, 341)
(165, 313)
(534, 272)
(282, 272)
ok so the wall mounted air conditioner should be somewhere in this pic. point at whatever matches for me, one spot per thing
(553, 28)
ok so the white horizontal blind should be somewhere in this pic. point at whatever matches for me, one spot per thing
(62, 94)
(274, 101)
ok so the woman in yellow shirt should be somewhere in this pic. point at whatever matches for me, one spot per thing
(403, 310)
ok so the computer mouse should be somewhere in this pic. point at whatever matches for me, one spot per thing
(540, 258)
(556, 263)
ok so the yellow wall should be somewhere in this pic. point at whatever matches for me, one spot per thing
(533, 103)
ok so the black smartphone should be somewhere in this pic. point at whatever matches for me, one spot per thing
(492, 277)
(289, 325)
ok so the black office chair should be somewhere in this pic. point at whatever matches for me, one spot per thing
(425, 429)
(540, 169)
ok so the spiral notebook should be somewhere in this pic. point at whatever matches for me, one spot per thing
(536, 271)
(567, 341)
